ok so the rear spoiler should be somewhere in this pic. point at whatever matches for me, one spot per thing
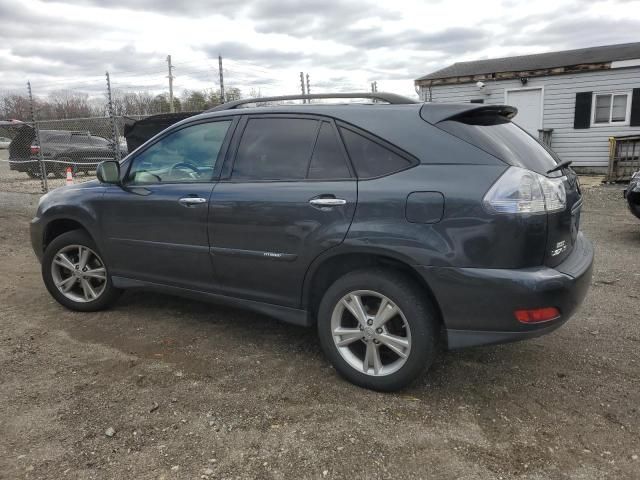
(439, 112)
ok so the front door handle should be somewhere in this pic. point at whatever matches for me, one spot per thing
(191, 201)
(327, 202)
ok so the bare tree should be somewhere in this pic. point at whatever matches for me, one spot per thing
(14, 106)
(62, 104)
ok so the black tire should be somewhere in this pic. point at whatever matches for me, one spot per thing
(418, 311)
(33, 173)
(59, 171)
(76, 237)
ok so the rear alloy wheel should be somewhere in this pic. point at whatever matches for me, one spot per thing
(378, 329)
(371, 333)
(75, 274)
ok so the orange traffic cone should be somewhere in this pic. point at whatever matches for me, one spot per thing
(69, 176)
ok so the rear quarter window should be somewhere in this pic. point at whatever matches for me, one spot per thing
(370, 159)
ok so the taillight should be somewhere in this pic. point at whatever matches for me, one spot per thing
(35, 149)
(522, 191)
(537, 315)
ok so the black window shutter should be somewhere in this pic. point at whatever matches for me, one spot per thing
(582, 116)
(635, 108)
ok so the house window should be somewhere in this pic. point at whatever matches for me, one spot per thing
(611, 108)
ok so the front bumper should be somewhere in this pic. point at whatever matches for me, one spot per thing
(478, 304)
(632, 195)
(35, 230)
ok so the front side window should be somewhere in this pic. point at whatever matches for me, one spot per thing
(610, 108)
(186, 155)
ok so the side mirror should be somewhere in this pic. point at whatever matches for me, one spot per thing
(109, 172)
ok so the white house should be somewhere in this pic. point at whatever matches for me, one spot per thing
(574, 100)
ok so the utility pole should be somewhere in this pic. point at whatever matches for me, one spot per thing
(112, 117)
(221, 79)
(308, 88)
(302, 86)
(374, 87)
(171, 106)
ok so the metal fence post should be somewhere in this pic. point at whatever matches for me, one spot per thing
(114, 128)
(43, 169)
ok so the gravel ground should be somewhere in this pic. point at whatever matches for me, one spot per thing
(160, 387)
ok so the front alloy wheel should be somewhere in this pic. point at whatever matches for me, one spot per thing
(75, 273)
(79, 273)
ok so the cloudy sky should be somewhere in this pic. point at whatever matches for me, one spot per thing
(343, 44)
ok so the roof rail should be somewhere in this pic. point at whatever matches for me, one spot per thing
(391, 98)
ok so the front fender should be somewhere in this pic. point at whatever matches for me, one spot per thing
(78, 203)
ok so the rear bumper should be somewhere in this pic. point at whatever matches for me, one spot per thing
(20, 165)
(478, 304)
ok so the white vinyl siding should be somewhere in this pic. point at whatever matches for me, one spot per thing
(587, 147)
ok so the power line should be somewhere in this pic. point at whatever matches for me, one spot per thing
(249, 66)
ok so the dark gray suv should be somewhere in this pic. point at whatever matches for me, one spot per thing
(387, 226)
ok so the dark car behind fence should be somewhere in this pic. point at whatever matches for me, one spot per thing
(47, 149)
(79, 144)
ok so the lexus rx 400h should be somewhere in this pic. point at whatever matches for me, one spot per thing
(387, 227)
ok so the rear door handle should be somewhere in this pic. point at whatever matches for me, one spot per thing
(327, 202)
(191, 201)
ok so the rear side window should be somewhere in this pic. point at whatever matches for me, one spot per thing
(503, 139)
(328, 161)
(275, 149)
(369, 158)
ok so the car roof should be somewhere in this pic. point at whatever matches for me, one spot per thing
(408, 126)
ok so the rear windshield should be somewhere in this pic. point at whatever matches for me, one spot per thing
(503, 139)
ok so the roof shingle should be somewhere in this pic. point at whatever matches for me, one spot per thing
(607, 53)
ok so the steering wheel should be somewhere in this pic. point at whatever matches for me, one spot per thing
(188, 165)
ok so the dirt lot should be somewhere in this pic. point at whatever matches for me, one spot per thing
(194, 390)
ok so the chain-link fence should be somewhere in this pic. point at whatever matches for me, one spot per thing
(66, 127)
(49, 151)
(39, 155)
